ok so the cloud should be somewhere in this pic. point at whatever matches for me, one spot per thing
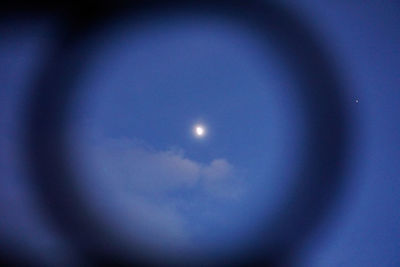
(219, 178)
(163, 197)
(144, 170)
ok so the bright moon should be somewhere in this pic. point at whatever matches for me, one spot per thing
(199, 130)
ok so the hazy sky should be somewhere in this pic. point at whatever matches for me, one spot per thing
(141, 93)
(136, 123)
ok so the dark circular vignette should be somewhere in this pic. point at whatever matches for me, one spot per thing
(320, 177)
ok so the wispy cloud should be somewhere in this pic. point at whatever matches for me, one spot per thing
(161, 194)
(144, 170)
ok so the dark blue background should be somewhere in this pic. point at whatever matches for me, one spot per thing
(363, 39)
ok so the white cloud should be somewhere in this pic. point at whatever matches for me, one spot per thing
(217, 170)
(143, 170)
(158, 194)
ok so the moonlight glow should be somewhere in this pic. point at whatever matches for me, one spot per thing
(199, 130)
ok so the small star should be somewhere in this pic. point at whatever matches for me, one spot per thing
(357, 101)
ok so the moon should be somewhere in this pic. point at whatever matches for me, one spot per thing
(199, 130)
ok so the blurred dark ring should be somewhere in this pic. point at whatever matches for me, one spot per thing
(320, 177)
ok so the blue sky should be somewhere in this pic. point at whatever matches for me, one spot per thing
(147, 175)
(136, 124)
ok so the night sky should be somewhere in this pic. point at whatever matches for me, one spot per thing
(136, 124)
(141, 90)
